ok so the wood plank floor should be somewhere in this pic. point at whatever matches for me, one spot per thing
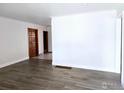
(47, 56)
(37, 74)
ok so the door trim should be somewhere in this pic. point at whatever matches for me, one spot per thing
(37, 44)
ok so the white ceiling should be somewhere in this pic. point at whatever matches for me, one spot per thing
(40, 13)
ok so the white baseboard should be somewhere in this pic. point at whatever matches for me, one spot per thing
(10, 63)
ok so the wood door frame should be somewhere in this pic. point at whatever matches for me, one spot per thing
(46, 42)
(37, 44)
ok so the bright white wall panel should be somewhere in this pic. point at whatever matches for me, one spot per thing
(85, 41)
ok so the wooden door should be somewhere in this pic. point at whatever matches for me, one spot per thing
(33, 42)
(45, 40)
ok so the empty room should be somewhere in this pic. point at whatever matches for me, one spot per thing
(61, 46)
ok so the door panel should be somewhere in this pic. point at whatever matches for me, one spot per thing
(33, 42)
(45, 39)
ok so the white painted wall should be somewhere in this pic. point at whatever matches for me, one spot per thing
(86, 41)
(14, 40)
(122, 70)
(118, 45)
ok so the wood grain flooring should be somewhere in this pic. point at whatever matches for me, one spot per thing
(37, 74)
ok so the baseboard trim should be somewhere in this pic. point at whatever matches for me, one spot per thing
(10, 63)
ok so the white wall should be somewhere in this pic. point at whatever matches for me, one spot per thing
(14, 40)
(118, 45)
(86, 41)
(122, 70)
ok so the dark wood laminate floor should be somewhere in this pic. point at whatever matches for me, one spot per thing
(40, 74)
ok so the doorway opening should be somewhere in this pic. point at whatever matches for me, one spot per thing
(46, 55)
(45, 41)
(33, 42)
